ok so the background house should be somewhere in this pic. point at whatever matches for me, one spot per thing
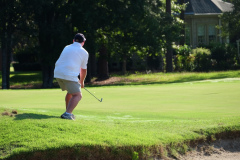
(201, 19)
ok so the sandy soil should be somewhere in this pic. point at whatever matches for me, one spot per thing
(220, 150)
(111, 80)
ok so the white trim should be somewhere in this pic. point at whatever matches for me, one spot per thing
(220, 4)
(207, 14)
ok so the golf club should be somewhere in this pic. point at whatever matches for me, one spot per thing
(93, 95)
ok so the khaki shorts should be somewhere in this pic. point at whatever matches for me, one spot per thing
(70, 86)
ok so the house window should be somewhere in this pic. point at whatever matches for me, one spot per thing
(201, 34)
(211, 33)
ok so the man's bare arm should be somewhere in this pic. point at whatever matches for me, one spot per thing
(83, 74)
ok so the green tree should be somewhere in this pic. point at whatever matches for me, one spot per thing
(126, 27)
(231, 22)
(90, 17)
(182, 17)
(123, 26)
(52, 18)
(136, 26)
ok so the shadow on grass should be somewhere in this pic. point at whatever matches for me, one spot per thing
(33, 116)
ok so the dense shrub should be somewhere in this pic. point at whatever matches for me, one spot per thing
(182, 50)
(224, 56)
(202, 59)
(212, 57)
(26, 56)
(27, 66)
(27, 60)
(188, 59)
(184, 63)
(183, 60)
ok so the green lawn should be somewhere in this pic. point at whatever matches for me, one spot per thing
(132, 121)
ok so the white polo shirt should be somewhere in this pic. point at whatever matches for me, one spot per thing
(72, 59)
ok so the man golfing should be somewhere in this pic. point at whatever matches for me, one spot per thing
(72, 61)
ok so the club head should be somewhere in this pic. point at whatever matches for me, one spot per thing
(101, 99)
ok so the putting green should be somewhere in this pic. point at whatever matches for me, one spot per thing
(220, 97)
(141, 115)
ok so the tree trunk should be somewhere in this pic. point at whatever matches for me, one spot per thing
(91, 67)
(124, 65)
(169, 65)
(89, 74)
(169, 55)
(4, 67)
(4, 47)
(168, 6)
(47, 75)
(182, 17)
(103, 64)
(6, 54)
(0, 58)
(9, 53)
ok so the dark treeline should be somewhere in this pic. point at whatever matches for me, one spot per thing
(117, 28)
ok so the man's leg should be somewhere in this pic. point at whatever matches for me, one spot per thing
(72, 103)
(67, 99)
(72, 98)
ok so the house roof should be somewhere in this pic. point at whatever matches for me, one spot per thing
(201, 7)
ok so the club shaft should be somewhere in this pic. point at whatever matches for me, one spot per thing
(92, 94)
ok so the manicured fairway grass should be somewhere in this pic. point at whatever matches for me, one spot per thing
(131, 122)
